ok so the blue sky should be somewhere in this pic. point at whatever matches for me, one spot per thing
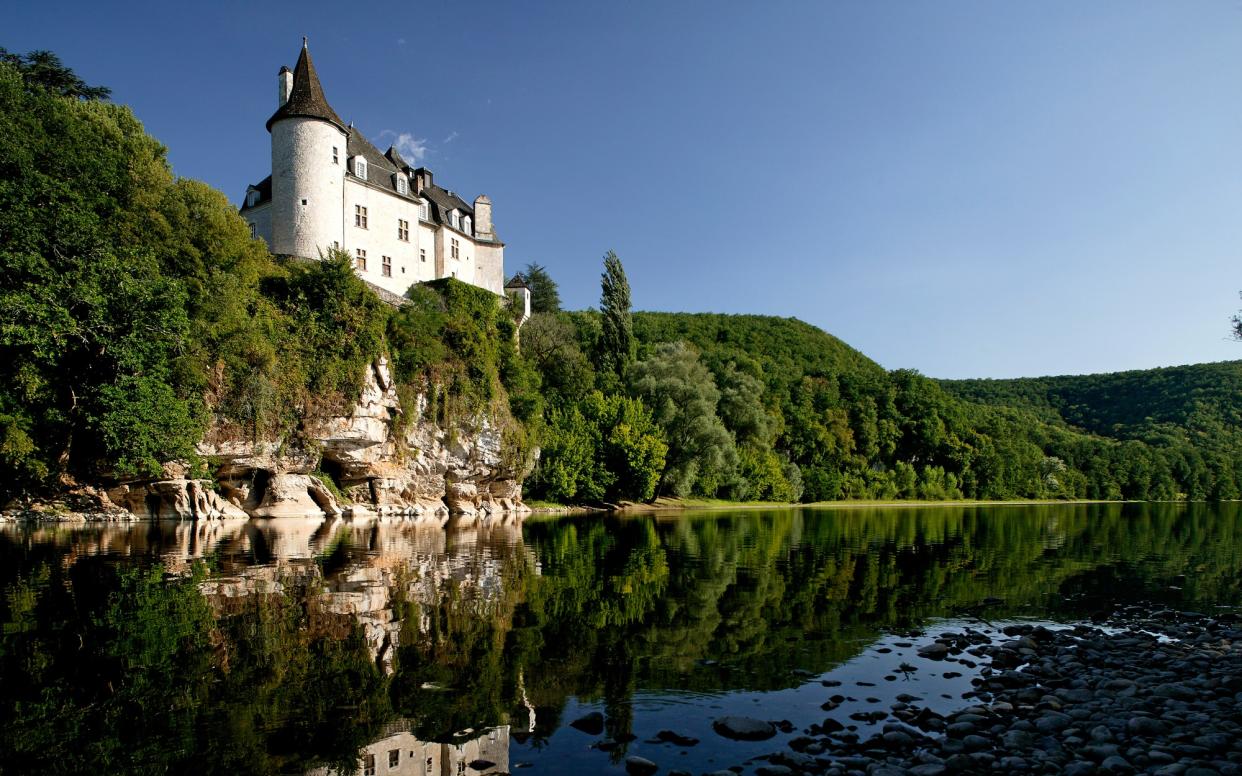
(964, 188)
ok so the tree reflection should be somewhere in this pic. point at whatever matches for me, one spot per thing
(267, 648)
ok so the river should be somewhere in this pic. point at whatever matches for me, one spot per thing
(304, 646)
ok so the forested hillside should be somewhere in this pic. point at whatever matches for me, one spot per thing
(1200, 404)
(763, 407)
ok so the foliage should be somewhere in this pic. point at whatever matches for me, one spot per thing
(604, 448)
(42, 69)
(683, 398)
(616, 343)
(544, 295)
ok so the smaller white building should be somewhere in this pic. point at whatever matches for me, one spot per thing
(331, 188)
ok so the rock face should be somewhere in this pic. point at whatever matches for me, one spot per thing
(382, 462)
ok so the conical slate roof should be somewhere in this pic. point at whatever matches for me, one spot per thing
(306, 99)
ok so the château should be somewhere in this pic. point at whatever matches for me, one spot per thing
(331, 188)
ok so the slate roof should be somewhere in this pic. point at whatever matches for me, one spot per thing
(306, 98)
(517, 282)
(264, 187)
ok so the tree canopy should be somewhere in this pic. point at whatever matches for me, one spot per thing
(545, 297)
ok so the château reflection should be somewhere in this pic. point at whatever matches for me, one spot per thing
(399, 753)
(289, 645)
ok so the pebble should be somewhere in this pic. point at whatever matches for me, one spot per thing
(1077, 701)
(640, 766)
(744, 728)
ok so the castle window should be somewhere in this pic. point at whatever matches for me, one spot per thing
(423, 211)
(336, 155)
(360, 216)
(422, 255)
(401, 184)
(455, 249)
(361, 261)
(386, 270)
(403, 230)
(360, 167)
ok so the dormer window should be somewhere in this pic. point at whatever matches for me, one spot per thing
(252, 198)
(453, 218)
(465, 225)
(360, 167)
(423, 212)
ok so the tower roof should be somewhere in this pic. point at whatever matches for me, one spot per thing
(306, 99)
(517, 282)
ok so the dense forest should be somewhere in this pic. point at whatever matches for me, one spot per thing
(770, 408)
(138, 312)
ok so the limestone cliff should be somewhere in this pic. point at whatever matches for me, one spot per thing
(378, 461)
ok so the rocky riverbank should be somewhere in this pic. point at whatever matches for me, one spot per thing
(1153, 693)
(382, 459)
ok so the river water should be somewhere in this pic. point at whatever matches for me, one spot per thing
(304, 646)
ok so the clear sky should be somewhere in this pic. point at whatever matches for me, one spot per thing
(964, 188)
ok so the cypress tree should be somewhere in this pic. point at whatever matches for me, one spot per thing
(617, 331)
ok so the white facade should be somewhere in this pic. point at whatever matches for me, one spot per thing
(306, 189)
(330, 188)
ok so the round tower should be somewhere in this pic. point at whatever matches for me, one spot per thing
(308, 166)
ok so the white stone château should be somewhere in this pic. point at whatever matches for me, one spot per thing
(331, 188)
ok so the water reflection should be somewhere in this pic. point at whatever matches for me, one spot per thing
(291, 645)
(399, 753)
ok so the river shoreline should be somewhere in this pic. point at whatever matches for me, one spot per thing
(1147, 692)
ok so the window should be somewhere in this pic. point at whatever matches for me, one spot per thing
(368, 765)
(403, 230)
(252, 198)
(422, 254)
(360, 216)
(386, 270)
(455, 249)
(428, 770)
(336, 245)
(453, 218)
(360, 167)
(336, 155)
(253, 232)
(401, 185)
(361, 261)
(394, 758)
(465, 226)
(423, 212)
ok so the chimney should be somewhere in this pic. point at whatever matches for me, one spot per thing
(422, 179)
(483, 218)
(285, 79)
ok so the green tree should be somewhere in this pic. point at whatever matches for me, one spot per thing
(683, 397)
(544, 295)
(43, 70)
(617, 335)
